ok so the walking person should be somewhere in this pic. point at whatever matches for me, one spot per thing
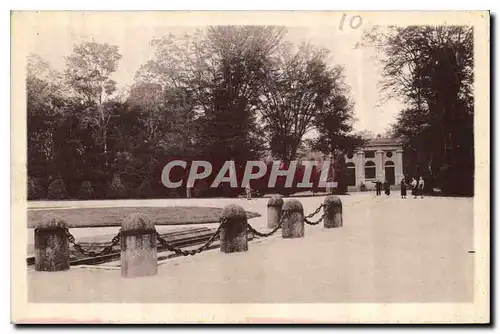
(421, 187)
(378, 187)
(248, 191)
(387, 188)
(403, 188)
(414, 187)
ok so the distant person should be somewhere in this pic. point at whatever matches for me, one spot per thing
(378, 187)
(414, 187)
(403, 188)
(421, 187)
(248, 191)
(387, 188)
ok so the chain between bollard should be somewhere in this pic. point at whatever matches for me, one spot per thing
(200, 249)
(106, 250)
(325, 212)
(264, 235)
(315, 212)
(116, 239)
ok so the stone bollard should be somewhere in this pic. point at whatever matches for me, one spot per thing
(51, 245)
(333, 217)
(138, 247)
(274, 206)
(293, 223)
(233, 235)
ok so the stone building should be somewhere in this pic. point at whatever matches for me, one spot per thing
(380, 158)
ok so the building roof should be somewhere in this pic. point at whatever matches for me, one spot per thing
(384, 141)
(379, 142)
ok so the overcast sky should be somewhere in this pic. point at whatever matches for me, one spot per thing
(55, 41)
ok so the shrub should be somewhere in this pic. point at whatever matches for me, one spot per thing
(116, 188)
(86, 191)
(144, 190)
(35, 189)
(57, 189)
(200, 188)
(173, 193)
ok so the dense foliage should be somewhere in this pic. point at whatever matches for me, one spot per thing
(235, 93)
(431, 68)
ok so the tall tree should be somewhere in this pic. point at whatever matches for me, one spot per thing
(299, 87)
(88, 72)
(335, 138)
(222, 70)
(45, 111)
(165, 124)
(148, 99)
(432, 69)
(335, 128)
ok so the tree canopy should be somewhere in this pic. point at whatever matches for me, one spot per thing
(223, 93)
(431, 68)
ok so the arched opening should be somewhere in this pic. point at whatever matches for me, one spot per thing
(351, 174)
(370, 170)
(389, 172)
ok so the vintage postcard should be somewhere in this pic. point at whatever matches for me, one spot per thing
(250, 167)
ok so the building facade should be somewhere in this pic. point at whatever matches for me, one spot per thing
(380, 159)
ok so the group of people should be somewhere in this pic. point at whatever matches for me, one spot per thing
(417, 187)
(386, 185)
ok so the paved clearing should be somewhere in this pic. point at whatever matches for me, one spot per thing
(389, 250)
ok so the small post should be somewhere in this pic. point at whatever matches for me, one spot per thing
(138, 247)
(333, 217)
(51, 245)
(233, 235)
(274, 206)
(293, 223)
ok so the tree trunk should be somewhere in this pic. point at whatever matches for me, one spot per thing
(104, 135)
(105, 145)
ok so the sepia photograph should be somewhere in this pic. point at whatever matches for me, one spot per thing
(250, 167)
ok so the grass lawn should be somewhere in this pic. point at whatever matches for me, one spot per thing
(103, 217)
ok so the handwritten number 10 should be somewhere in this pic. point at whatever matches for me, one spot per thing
(355, 22)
